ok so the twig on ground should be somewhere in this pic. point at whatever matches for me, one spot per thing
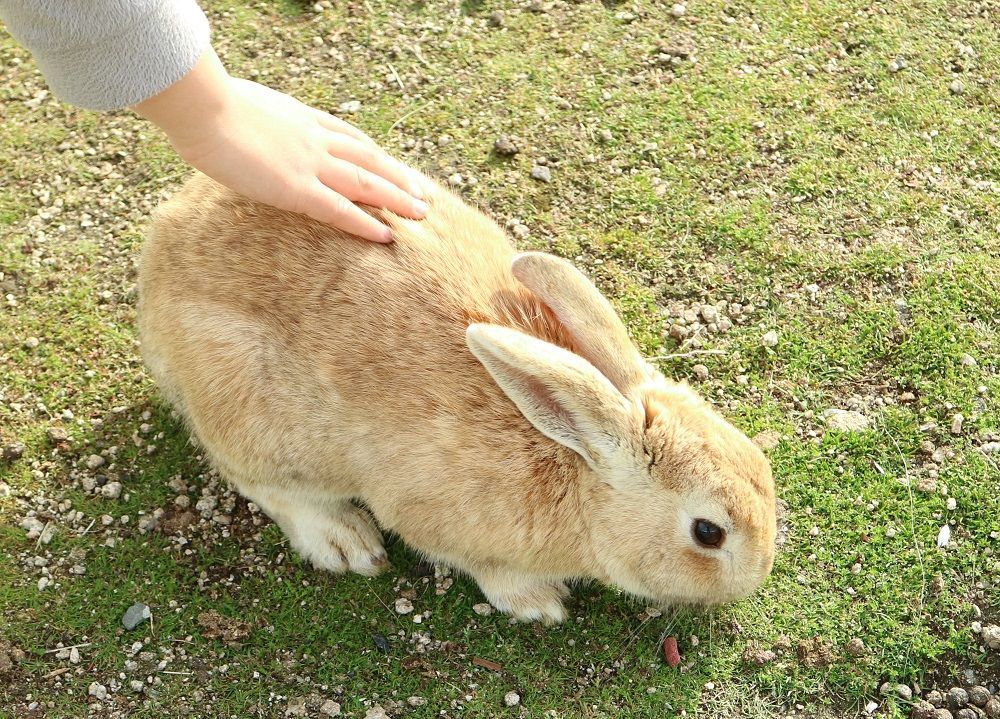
(689, 353)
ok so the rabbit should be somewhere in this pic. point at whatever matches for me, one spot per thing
(486, 406)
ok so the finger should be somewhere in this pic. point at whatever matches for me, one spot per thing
(375, 160)
(360, 185)
(335, 124)
(417, 183)
(334, 209)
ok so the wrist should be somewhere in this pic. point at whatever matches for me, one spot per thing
(189, 110)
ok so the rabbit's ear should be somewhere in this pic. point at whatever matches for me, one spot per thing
(596, 329)
(560, 393)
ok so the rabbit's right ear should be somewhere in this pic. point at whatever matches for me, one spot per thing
(560, 393)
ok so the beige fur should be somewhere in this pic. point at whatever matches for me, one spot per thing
(504, 425)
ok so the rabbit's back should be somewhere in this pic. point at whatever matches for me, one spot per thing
(287, 344)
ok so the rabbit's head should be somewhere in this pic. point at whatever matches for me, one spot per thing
(680, 504)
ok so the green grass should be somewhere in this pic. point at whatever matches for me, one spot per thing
(817, 167)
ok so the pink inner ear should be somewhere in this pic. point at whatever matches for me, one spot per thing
(546, 401)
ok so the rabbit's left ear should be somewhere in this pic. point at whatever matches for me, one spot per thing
(598, 333)
(560, 393)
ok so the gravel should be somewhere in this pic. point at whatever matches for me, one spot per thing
(98, 691)
(483, 609)
(700, 372)
(404, 606)
(135, 615)
(511, 699)
(957, 87)
(770, 339)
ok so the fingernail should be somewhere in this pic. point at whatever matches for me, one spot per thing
(420, 208)
(386, 236)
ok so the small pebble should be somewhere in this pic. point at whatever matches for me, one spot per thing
(31, 343)
(512, 699)
(330, 708)
(404, 606)
(944, 536)
(979, 695)
(13, 452)
(94, 461)
(700, 372)
(497, 19)
(957, 698)
(416, 701)
(846, 420)
(505, 146)
(991, 636)
(678, 10)
(350, 107)
(952, 504)
(112, 490)
(956, 424)
(855, 647)
(770, 339)
(541, 173)
(135, 615)
(483, 609)
(957, 87)
(968, 361)
(98, 691)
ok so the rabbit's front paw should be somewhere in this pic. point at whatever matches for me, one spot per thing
(342, 539)
(526, 598)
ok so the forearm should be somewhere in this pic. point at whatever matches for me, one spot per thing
(108, 54)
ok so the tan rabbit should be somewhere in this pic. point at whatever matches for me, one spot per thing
(487, 407)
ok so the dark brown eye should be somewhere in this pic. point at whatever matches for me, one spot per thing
(707, 534)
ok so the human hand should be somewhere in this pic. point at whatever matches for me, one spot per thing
(272, 148)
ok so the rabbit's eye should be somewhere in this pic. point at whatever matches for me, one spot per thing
(707, 534)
